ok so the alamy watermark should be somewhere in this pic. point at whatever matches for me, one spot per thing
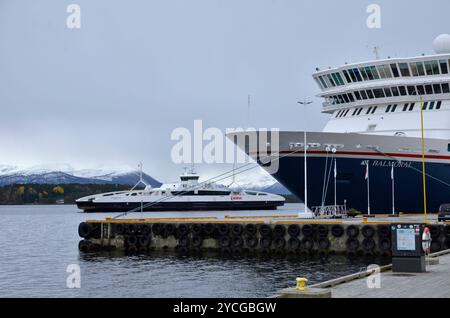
(374, 19)
(74, 278)
(373, 281)
(73, 20)
(212, 145)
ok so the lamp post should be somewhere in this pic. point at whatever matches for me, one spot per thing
(305, 103)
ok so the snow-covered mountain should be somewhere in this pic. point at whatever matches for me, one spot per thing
(258, 180)
(64, 173)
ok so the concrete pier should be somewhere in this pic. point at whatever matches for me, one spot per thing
(276, 234)
(435, 283)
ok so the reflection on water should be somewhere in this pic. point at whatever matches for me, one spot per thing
(39, 242)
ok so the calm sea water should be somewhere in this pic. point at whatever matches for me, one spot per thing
(39, 242)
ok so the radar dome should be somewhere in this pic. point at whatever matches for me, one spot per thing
(441, 44)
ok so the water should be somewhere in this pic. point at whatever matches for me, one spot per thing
(39, 242)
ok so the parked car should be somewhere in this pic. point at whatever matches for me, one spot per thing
(444, 212)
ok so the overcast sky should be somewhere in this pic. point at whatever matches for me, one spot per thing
(111, 93)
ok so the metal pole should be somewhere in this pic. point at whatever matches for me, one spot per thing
(424, 182)
(335, 196)
(368, 189)
(393, 190)
(305, 146)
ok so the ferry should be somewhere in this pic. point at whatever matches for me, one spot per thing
(187, 195)
(369, 154)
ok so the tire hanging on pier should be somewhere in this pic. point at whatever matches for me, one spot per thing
(293, 230)
(130, 229)
(250, 229)
(223, 229)
(119, 228)
(368, 231)
(307, 243)
(237, 229)
(131, 240)
(337, 230)
(85, 230)
(352, 244)
(279, 230)
(265, 242)
(251, 241)
(157, 229)
(197, 241)
(144, 240)
(307, 230)
(384, 231)
(324, 243)
(224, 241)
(265, 230)
(293, 244)
(237, 241)
(352, 231)
(279, 243)
(368, 244)
(322, 230)
(209, 229)
(384, 244)
(84, 246)
(197, 229)
(182, 230)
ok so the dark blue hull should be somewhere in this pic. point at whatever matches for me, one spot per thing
(352, 185)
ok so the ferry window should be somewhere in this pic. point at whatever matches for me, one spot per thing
(350, 96)
(369, 73)
(364, 95)
(425, 105)
(395, 91)
(341, 99)
(318, 83)
(374, 109)
(431, 106)
(325, 78)
(358, 76)
(359, 112)
(346, 76)
(420, 68)
(369, 93)
(346, 98)
(369, 110)
(402, 90)
(420, 90)
(374, 72)
(438, 105)
(338, 79)
(395, 70)
(444, 68)
(428, 68)
(345, 113)
(405, 108)
(448, 147)
(388, 108)
(428, 89)
(414, 69)
(378, 93)
(331, 80)
(363, 73)
(323, 82)
(381, 71)
(435, 67)
(352, 75)
(357, 95)
(355, 111)
(445, 88)
(437, 89)
(387, 92)
(404, 69)
(411, 90)
(411, 107)
(394, 108)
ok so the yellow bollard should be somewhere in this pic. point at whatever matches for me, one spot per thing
(302, 283)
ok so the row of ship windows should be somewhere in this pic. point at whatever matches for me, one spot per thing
(411, 90)
(394, 70)
(389, 109)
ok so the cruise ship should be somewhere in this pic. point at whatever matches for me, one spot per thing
(187, 195)
(374, 125)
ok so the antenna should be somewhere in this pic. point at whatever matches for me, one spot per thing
(375, 50)
(248, 111)
(141, 180)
